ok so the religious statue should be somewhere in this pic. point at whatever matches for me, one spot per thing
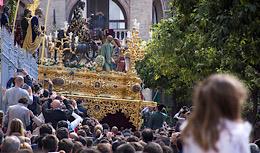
(34, 33)
(107, 52)
(121, 66)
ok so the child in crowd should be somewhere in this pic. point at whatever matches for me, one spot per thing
(215, 125)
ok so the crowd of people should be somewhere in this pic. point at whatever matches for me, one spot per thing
(35, 119)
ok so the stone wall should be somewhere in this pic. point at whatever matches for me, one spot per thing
(13, 57)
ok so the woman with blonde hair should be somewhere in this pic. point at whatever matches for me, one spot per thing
(16, 128)
(215, 125)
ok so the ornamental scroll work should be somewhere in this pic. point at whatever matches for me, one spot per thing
(96, 84)
(100, 107)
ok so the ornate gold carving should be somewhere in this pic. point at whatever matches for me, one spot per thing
(103, 92)
(100, 107)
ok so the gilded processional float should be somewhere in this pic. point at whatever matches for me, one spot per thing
(81, 66)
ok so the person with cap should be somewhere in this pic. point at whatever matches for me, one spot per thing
(14, 94)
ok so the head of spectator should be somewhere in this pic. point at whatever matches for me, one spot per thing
(104, 148)
(254, 148)
(19, 81)
(137, 134)
(77, 146)
(50, 143)
(132, 139)
(81, 133)
(116, 144)
(16, 128)
(25, 145)
(27, 13)
(125, 148)
(62, 124)
(45, 129)
(217, 98)
(167, 149)
(257, 142)
(89, 141)
(38, 12)
(65, 145)
(11, 144)
(62, 133)
(45, 93)
(74, 136)
(88, 150)
(147, 135)
(25, 151)
(82, 140)
(137, 145)
(114, 130)
(23, 100)
(152, 147)
(56, 104)
(98, 133)
(98, 127)
(6, 10)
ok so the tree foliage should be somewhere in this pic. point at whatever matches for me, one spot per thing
(204, 37)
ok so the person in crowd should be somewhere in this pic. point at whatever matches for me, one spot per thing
(50, 143)
(34, 33)
(18, 111)
(158, 118)
(254, 148)
(27, 79)
(146, 115)
(147, 135)
(152, 147)
(181, 117)
(5, 17)
(25, 22)
(65, 145)
(54, 111)
(11, 144)
(125, 148)
(216, 124)
(14, 94)
(16, 129)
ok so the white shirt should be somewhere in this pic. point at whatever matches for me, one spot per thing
(234, 138)
(13, 95)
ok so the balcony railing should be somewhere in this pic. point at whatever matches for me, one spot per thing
(14, 57)
(120, 34)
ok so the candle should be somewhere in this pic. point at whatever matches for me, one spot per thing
(65, 25)
(56, 34)
(76, 39)
(50, 37)
(70, 34)
(129, 34)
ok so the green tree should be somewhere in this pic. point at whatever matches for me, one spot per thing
(204, 37)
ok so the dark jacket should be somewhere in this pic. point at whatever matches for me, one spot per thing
(4, 20)
(53, 116)
(157, 119)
